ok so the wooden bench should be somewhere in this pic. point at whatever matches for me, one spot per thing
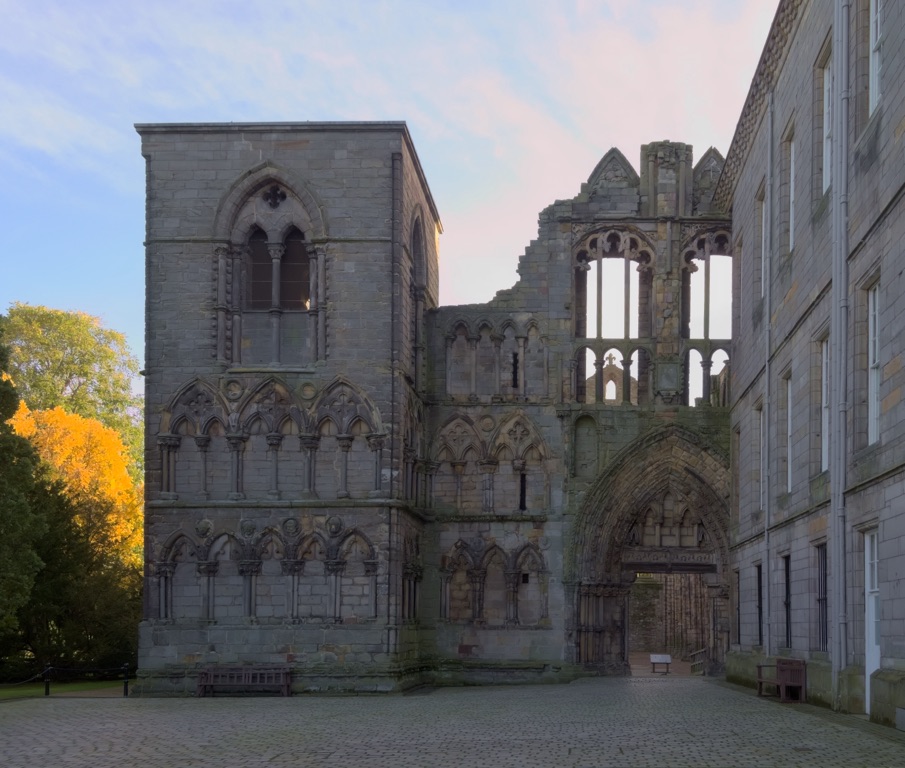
(660, 658)
(245, 679)
(786, 675)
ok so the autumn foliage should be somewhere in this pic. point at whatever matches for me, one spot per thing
(89, 461)
(70, 506)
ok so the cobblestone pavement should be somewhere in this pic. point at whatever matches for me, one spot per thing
(593, 722)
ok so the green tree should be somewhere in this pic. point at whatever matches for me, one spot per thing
(21, 522)
(68, 359)
(86, 602)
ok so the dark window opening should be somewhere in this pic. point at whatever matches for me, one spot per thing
(294, 282)
(524, 578)
(822, 613)
(260, 271)
(523, 492)
(738, 606)
(760, 604)
(515, 370)
(787, 598)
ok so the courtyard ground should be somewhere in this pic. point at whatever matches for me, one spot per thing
(632, 721)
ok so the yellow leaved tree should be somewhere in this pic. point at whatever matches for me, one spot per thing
(90, 462)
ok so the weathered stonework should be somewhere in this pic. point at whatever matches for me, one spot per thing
(348, 479)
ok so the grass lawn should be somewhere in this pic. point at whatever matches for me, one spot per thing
(36, 689)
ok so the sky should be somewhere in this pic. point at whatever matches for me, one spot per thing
(510, 105)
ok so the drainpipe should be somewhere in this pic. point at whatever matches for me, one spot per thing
(766, 460)
(839, 344)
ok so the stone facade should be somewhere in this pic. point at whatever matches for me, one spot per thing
(815, 180)
(345, 478)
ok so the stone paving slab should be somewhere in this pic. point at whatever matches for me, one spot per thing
(592, 722)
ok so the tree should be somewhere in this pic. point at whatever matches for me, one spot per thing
(21, 523)
(89, 462)
(69, 360)
(85, 601)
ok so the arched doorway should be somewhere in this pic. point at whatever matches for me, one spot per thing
(660, 510)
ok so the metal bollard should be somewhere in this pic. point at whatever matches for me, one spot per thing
(125, 680)
(46, 674)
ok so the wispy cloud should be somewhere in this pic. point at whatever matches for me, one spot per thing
(511, 103)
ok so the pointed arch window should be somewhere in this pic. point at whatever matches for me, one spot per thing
(278, 273)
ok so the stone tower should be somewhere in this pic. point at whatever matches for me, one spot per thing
(289, 269)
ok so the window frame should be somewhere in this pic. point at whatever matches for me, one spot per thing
(873, 364)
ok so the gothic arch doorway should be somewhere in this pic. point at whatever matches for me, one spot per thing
(659, 512)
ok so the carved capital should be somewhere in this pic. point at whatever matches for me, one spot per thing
(236, 442)
(250, 567)
(376, 441)
(488, 467)
(208, 567)
(169, 441)
(165, 569)
(292, 567)
(335, 566)
(202, 441)
(276, 251)
(309, 442)
(274, 439)
(344, 442)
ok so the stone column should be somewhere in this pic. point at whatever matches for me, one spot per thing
(203, 443)
(236, 444)
(274, 440)
(376, 443)
(458, 468)
(598, 381)
(276, 255)
(627, 379)
(477, 577)
(309, 445)
(512, 582)
(446, 578)
(371, 572)
(249, 570)
(293, 569)
(706, 390)
(207, 572)
(408, 459)
(335, 568)
(165, 573)
(430, 469)
(345, 444)
(420, 483)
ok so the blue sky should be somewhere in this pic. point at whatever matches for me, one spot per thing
(510, 105)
